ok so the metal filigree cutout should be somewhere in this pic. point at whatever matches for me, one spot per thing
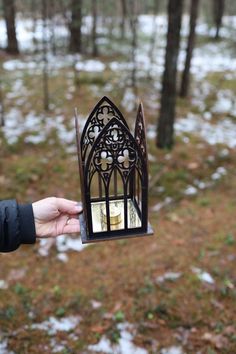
(114, 175)
(102, 113)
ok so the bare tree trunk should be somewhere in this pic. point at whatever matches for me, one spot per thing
(190, 46)
(133, 20)
(45, 58)
(153, 39)
(51, 14)
(34, 27)
(218, 11)
(9, 15)
(75, 25)
(2, 118)
(94, 28)
(165, 130)
(123, 18)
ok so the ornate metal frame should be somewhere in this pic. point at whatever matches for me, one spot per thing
(116, 161)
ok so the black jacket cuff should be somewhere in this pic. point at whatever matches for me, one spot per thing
(27, 226)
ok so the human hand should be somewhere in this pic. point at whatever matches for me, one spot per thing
(55, 216)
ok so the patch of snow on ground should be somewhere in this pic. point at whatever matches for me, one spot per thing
(160, 205)
(90, 66)
(172, 350)
(222, 132)
(124, 345)
(129, 100)
(219, 173)
(203, 276)
(3, 284)
(54, 325)
(225, 102)
(171, 276)
(3, 347)
(62, 257)
(37, 127)
(65, 243)
(190, 190)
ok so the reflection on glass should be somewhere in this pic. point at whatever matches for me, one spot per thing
(117, 218)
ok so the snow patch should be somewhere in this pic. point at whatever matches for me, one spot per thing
(190, 190)
(54, 325)
(124, 345)
(160, 205)
(65, 243)
(171, 276)
(3, 347)
(90, 66)
(203, 276)
(172, 350)
(3, 284)
(223, 132)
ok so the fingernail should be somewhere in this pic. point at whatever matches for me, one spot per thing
(79, 209)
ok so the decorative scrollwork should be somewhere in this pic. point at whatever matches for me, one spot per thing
(102, 113)
(139, 133)
(114, 148)
(103, 160)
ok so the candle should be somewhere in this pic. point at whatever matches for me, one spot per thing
(115, 215)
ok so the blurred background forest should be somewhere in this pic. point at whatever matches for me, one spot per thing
(174, 293)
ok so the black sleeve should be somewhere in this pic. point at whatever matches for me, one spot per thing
(16, 225)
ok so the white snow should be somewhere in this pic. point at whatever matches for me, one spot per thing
(190, 190)
(124, 345)
(3, 284)
(90, 65)
(65, 243)
(219, 173)
(3, 347)
(225, 103)
(129, 100)
(62, 257)
(54, 325)
(160, 205)
(172, 350)
(222, 132)
(171, 276)
(203, 276)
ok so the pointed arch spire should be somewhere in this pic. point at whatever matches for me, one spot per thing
(140, 131)
(114, 147)
(103, 112)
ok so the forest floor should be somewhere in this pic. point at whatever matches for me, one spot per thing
(172, 293)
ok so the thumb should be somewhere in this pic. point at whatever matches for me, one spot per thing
(68, 206)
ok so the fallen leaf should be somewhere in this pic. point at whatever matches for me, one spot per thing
(99, 328)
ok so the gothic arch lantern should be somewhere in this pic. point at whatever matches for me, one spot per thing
(113, 175)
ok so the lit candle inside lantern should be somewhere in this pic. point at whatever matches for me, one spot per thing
(115, 215)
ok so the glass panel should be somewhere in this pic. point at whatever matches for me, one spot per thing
(99, 215)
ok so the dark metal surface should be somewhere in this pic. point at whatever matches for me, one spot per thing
(113, 174)
(88, 239)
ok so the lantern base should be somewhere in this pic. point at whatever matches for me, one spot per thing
(106, 236)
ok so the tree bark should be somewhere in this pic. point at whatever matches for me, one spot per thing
(9, 15)
(132, 13)
(153, 38)
(2, 118)
(123, 18)
(218, 11)
(165, 128)
(45, 56)
(75, 25)
(190, 46)
(94, 28)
